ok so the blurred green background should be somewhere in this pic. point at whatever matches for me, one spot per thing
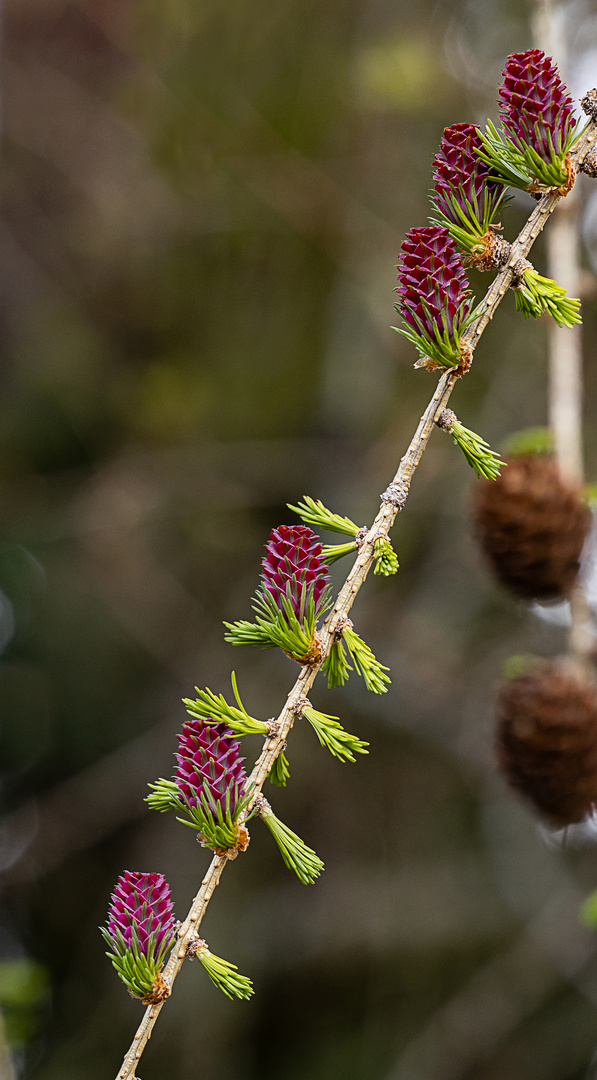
(202, 209)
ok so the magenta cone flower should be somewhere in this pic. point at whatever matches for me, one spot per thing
(538, 124)
(294, 567)
(140, 930)
(293, 593)
(434, 299)
(535, 107)
(209, 764)
(464, 196)
(141, 905)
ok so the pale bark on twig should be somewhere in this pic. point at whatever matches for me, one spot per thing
(393, 500)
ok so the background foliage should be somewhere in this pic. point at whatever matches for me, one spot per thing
(203, 204)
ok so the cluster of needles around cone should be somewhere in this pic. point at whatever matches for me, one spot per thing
(392, 501)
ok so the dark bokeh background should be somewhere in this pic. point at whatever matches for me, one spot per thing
(202, 206)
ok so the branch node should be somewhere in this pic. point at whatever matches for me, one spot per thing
(589, 164)
(273, 727)
(360, 535)
(159, 992)
(445, 419)
(344, 623)
(195, 945)
(396, 493)
(466, 359)
(382, 534)
(493, 252)
(302, 703)
(518, 271)
(242, 842)
(589, 104)
(312, 657)
(261, 805)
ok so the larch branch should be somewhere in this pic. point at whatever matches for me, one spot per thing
(392, 501)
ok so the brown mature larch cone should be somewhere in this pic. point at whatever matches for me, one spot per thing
(547, 738)
(531, 524)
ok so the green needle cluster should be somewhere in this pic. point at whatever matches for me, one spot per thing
(224, 975)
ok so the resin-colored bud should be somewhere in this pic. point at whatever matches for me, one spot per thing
(294, 568)
(139, 931)
(434, 299)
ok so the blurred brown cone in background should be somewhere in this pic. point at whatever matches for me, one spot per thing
(531, 524)
(547, 738)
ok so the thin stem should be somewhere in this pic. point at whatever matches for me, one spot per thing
(393, 500)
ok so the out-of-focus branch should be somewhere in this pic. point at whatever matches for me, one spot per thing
(7, 1071)
(501, 994)
(393, 500)
(565, 391)
(565, 348)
